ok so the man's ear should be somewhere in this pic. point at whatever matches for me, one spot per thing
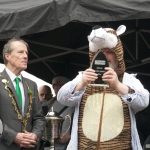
(6, 55)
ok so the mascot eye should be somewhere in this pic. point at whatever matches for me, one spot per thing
(96, 27)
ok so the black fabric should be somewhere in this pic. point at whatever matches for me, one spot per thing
(33, 16)
(42, 144)
(45, 110)
(147, 144)
(62, 110)
(143, 124)
(96, 27)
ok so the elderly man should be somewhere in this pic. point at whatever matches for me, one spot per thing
(20, 109)
(45, 93)
(104, 116)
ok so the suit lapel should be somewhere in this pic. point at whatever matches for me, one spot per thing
(12, 88)
(25, 94)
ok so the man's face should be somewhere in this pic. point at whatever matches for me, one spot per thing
(44, 94)
(111, 57)
(18, 58)
(57, 87)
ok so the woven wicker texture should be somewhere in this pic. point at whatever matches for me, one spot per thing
(121, 142)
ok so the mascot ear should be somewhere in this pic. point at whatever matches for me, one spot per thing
(121, 29)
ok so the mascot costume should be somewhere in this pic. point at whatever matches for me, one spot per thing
(104, 120)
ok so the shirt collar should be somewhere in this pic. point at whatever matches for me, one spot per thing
(12, 75)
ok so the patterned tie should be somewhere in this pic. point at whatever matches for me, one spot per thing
(18, 91)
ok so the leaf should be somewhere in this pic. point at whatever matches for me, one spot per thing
(30, 91)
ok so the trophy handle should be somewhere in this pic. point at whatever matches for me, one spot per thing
(66, 117)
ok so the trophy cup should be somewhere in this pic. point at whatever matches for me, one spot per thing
(53, 128)
(99, 62)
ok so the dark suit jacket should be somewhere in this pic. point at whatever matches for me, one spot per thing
(11, 124)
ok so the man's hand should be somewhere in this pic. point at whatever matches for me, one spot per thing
(27, 140)
(88, 76)
(19, 138)
(111, 77)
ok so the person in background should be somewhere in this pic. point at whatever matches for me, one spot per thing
(62, 110)
(104, 117)
(20, 109)
(45, 94)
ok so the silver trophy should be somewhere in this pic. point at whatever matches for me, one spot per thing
(53, 127)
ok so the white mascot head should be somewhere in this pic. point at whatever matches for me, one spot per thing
(101, 38)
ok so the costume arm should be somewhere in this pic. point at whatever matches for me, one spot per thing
(66, 96)
(140, 98)
(38, 116)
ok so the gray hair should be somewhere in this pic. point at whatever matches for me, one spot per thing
(7, 47)
(48, 89)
